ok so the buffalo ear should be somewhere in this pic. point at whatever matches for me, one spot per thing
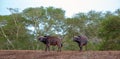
(45, 37)
(75, 36)
(41, 37)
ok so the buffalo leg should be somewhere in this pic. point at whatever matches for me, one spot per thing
(47, 47)
(59, 48)
(80, 46)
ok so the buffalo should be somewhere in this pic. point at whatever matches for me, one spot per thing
(81, 40)
(51, 40)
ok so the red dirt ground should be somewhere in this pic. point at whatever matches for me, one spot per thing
(37, 54)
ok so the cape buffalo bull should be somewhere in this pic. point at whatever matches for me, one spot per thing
(81, 40)
(51, 40)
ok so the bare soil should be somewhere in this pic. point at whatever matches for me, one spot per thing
(37, 54)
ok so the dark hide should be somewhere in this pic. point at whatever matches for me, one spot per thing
(81, 40)
(51, 40)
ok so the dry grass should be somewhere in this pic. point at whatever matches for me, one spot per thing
(37, 54)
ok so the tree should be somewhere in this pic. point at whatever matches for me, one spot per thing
(14, 33)
(46, 21)
(117, 12)
(110, 32)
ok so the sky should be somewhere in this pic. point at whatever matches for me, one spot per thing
(71, 7)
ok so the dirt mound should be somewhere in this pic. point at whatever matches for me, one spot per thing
(36, 54)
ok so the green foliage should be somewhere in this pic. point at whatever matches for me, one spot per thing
(14, 34)
(110, 32)
(68, 44)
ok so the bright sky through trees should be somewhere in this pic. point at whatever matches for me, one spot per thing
(70, 6)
